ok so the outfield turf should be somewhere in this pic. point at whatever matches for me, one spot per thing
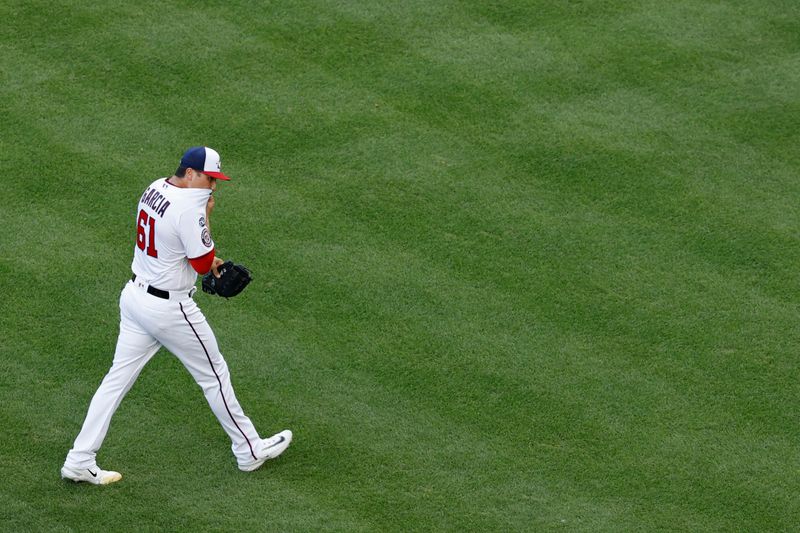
(519, 265)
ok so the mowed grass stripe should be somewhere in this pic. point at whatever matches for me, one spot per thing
(617, 405)
(367, 238)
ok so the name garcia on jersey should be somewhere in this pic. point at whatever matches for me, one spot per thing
(155, 201)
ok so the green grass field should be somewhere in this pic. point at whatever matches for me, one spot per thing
(519, 265)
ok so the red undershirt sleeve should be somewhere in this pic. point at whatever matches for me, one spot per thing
(202, 264)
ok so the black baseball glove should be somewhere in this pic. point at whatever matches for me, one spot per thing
(231, 281)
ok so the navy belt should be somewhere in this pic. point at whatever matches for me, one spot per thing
(158, 293)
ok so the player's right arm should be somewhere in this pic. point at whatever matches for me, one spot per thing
(217, 262)
(204, 263)
(196, 239)
(209, 261)
(215, 266)
(209, 207)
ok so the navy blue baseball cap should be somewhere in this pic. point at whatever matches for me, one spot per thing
(205, 160)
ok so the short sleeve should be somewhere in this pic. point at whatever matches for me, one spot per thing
(194, 234)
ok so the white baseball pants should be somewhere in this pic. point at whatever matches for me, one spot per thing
(147, 323)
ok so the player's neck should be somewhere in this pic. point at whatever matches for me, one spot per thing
(175, 181)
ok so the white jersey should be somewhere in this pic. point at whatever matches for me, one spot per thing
(171, 228)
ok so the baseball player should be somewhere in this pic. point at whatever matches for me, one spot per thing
(173, 245)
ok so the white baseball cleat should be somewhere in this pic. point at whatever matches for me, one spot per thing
(270, 449)
(95, 475)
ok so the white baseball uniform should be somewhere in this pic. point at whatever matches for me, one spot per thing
(157, 309)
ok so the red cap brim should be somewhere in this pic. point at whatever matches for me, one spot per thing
(218, 175)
